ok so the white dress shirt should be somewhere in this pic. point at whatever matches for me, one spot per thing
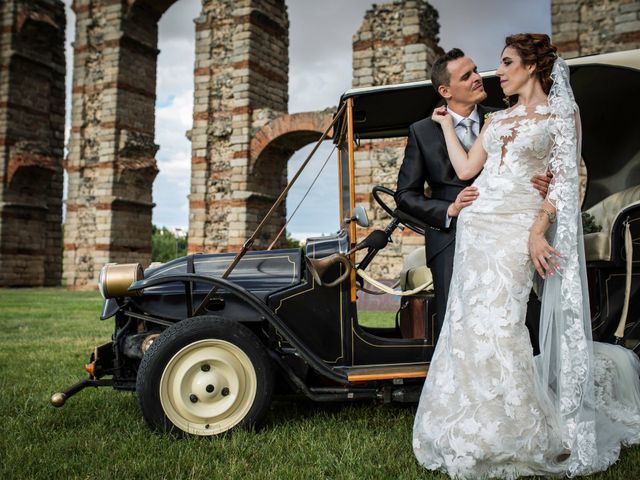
(461, 130)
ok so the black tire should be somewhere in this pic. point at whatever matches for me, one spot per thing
(199, 354)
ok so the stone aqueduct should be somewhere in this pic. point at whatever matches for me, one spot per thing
(242, 135)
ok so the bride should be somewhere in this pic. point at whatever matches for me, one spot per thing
(489, 408)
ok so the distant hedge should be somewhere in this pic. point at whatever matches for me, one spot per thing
(166, 245)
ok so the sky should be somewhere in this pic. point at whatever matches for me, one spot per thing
(320, 38)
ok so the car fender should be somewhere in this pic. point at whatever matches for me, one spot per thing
(110, 307)
(264, 312)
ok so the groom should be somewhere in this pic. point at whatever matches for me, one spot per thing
(455, 77)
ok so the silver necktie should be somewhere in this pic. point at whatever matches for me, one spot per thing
(468, 137)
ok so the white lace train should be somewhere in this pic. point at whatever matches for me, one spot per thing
(484, 411)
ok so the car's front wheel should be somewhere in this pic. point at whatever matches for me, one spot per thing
(204, 376)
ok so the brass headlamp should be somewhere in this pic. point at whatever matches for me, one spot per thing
(115, 279)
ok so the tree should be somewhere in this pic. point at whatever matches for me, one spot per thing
(292, 242)
(165, 245)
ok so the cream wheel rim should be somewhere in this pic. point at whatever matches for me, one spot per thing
(208, 387)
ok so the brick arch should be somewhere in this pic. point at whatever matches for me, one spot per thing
(269, 152)
(158, 7)
(289, 132)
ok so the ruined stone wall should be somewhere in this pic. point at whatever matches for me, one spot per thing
(111, 163)
(397, 42)
(241, 84)
(211, 148)
(32, 97)
(588, 27)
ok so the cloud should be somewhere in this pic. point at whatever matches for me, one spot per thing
(319, 85)
(175, 65)
(320, 51)
(319, 211)
(177, 22)
(483, 38)
(323, 30)
(174, 114)
(171, 186)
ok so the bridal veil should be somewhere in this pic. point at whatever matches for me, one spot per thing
(590, 390)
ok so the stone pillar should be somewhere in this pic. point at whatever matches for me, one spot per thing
(111, 162)
(241, 77)
(32, 72)
(587, 27)
(397, 42)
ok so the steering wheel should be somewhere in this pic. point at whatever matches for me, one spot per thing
(405, 219)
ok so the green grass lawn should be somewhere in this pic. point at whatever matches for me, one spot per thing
(46, 336)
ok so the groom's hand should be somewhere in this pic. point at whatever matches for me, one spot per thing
(541, 183)
(465, 198)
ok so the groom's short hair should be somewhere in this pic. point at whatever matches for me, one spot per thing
(439, 73)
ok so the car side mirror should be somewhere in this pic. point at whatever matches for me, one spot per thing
(359, 215)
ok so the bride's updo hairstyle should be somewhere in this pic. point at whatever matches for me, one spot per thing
(535, 49)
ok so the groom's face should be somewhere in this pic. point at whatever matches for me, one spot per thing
(465, 83)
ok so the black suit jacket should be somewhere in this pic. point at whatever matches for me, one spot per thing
(426, 160)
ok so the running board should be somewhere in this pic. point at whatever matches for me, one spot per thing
(386, 372)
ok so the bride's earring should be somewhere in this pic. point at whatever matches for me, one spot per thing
(507, 101)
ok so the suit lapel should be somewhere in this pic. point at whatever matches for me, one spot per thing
(440, 133)
(481, 113)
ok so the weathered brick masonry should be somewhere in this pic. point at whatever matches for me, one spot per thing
(241, 84)
(242, 135)
(587, 27)
(397, 42)
(111, 162)
(32, 74)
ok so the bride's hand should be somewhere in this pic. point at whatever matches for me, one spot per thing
(543, 255)
(441, 116)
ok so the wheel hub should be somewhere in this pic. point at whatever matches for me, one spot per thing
(204, 384)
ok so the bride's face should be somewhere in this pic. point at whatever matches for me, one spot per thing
(513, 74)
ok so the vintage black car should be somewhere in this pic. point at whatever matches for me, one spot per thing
(207, 339)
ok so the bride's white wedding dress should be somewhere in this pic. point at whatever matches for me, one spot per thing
(488, 408)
